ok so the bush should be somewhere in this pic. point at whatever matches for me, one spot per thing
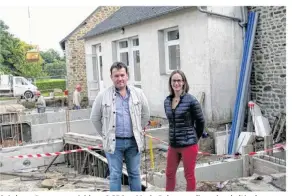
(50, 85)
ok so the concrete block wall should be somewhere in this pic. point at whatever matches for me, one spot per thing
(57, 130)
(53, 117)
(8, 164)
(265, 167)
(216, 172)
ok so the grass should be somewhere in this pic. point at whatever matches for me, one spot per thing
(46, 80)
(6, 98)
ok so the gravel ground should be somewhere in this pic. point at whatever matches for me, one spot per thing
(59, 178)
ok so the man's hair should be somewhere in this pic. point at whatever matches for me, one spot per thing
(184, 78)
(119, 65)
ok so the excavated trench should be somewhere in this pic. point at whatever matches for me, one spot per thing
(92, 162)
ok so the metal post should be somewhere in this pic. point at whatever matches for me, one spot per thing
(2, 140)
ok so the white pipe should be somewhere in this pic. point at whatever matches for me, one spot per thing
(217, 14)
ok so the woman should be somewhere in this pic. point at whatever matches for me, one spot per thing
(186, 125)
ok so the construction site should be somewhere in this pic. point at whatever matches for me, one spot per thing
(60, 150)
(242, 94)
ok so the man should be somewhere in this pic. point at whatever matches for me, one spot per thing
(77, 98)
(40, 102)
(119, 114)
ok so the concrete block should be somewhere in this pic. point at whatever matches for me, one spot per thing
(57, 130)
(13, 164)
(79, 114)
(220, 171)
(265, 167)
(56, 117)
(52, 117)
(247, 165)
(35, 118)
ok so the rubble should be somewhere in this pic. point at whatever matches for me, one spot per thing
(59, 178)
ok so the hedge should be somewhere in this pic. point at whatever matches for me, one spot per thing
(50, 85)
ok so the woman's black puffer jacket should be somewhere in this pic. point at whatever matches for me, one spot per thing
(186, 121)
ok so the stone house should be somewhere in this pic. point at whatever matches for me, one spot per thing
(153, 41)
(74, 51)
(268, 78)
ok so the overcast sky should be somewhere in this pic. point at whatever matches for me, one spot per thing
(49, 25)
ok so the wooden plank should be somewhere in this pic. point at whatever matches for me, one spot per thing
(124, 171)
(84, 164)
(280, 130)
(82, 139)
(90, 157)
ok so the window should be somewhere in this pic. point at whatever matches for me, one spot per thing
(23, 82)
(172, 49)
(138, 86)
(136, 42)
(18, 81)
(97, 62)
(136, 62)
(128, 52)
(100, 65)
(124, 57)
(94, 63)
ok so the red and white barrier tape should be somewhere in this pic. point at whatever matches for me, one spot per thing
(277, 146)
(55, 153)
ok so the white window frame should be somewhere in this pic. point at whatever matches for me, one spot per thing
(94, 69)
(166, 45)
(130, 49)
(97, 54)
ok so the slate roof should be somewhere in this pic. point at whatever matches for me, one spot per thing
(129, 15)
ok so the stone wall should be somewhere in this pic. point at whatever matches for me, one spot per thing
(75, 52)
(268, 78)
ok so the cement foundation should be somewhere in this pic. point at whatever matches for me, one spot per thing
(51, 127)
(53, 117)
(8, 164)
(215, 172)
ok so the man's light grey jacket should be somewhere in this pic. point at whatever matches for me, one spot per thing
(103, 116)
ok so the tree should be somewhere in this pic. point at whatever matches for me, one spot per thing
(12, 56)
(56, 69)
(50, 56)
(6, 40)
(54, 65)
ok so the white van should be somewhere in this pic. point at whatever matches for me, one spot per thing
(16, 86)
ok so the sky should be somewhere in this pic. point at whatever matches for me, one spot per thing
(51, 21)
(48, 24)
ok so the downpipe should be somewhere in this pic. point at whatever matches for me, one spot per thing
(241, 22)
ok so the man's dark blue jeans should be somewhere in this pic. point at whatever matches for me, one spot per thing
(128, 149)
